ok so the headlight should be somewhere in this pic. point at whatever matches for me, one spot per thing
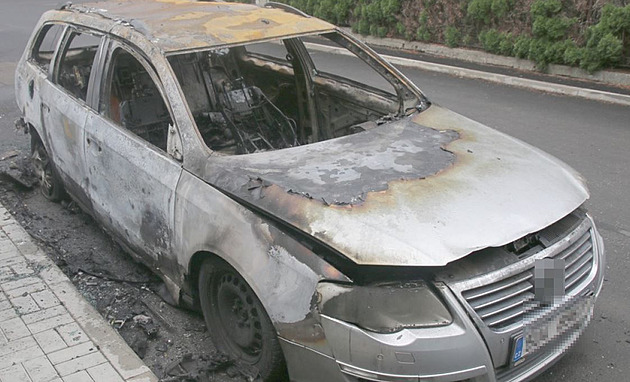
(384, 308)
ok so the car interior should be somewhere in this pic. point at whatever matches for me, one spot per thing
(76, 64)
(134, 100)
(254, 98)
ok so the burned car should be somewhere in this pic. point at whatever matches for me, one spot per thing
(331, 223)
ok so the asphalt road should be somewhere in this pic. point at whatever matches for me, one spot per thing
(592, 137)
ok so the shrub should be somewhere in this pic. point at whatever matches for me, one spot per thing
(480, 11)
(452, 36)
(545, 8)
(423, 33)
(483, 11)
(500, 8)
(521, 46)
(363, 27)
(374, 29)
(615, 20)
(537, 52)
(381, 32)
(573, 55)
(506, 44)
(551, 28)
(491, 40)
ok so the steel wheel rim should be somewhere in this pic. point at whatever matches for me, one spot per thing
(43, 170)
(239, 316)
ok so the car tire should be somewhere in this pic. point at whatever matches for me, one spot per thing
(237, 321)
(50, 184)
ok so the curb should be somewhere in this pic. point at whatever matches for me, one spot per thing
(107, 340)
(590, 94)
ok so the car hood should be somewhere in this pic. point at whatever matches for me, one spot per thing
(421, 191)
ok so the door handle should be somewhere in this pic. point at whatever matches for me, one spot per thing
(31, 88)
(45, 107)
(89, 143)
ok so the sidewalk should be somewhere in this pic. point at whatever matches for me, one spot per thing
(48, 332)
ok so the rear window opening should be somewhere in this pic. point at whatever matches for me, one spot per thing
(285, 93)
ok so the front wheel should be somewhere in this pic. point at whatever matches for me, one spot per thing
(49, 182)
(237, 321)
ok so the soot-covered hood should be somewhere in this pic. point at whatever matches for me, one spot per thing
(421, 191)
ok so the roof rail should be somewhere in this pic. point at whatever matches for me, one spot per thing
(286, 8)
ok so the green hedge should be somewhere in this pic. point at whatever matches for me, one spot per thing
(545, 31)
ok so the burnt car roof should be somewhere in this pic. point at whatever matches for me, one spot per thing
(187, 25)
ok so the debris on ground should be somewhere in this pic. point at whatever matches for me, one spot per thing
(18, 171)
(9, 154)
(204, 368)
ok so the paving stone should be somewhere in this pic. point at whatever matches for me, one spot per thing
(70, 353)
(23, 291)
(81, 376)
(5, 304)
(52, 275)
(21, 268)
(40, 369)
(15, 373)
(21, 355)
(50, 341)
(14, 329)
(50, 323)
(81, 363)
(44, 314)
(25, 305)
(27, 248)
(45, 299)
(13, 346)
(8, 254)
(72, 334)
(16, 233)
(10, 285)
(104, 373)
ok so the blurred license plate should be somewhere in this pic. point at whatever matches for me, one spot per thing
(541, 330)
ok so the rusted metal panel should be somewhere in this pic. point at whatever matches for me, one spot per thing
(187, 25)
(497, 190)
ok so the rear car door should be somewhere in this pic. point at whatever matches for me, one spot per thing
(64, 107)
(132, 177)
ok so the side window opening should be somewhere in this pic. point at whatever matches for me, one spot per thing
(346, 68)
(45, 45)
(132, 100)
(76, 63)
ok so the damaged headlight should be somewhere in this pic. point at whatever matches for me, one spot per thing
(384, 308)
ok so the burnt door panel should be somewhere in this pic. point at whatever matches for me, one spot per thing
(132, 186)
(63, 118)
(64, 109)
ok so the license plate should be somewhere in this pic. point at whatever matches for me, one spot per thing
(542, 330)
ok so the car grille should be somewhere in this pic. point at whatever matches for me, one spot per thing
(501, 304)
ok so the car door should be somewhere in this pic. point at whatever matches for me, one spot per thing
(64, 108)
(132, 178)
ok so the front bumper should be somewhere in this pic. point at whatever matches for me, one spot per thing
(462, 351)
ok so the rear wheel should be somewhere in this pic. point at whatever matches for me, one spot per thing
(237, 321)
(49, 182)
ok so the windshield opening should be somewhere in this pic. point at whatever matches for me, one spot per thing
(286, 93)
